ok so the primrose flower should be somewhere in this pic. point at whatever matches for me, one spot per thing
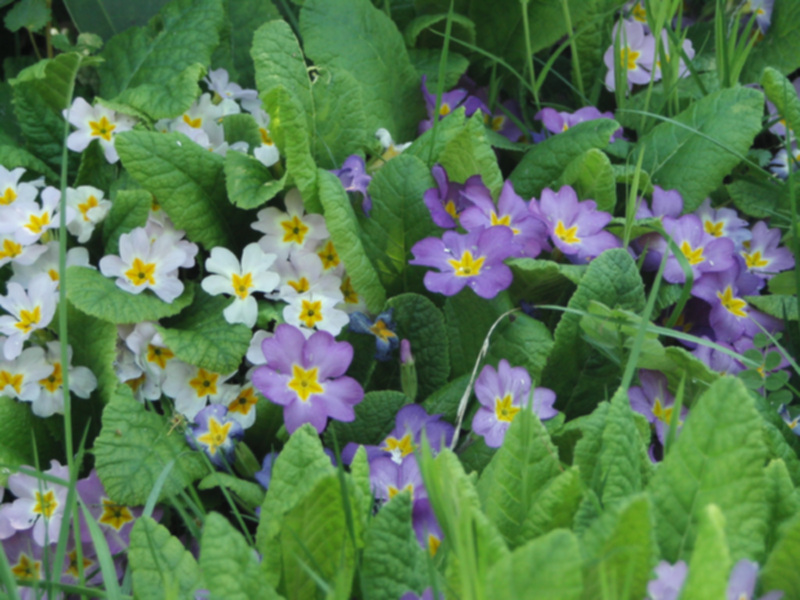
(668, 582)
(27, 220)
(19, 378)
(192, 387)
(704, 252)
(143, 265)
(12, 251)
(389, 478)
(723, 222)
(761, 254)
(500, 122)
(686, 47)
(474, 260)
(762, 10)
(382, 328)
(576, 228)
(82, 382)
(636, 54)
(240, 280)
(289, 231)
(653, 400)
(264, 476)
(782, 159)
(390, 147)
(558, 121)
(214, 432)
(530, 232)
(742, 582)
(147, 370)
(448, 199)
(115, 520)
(313, 311)
(90, 207)
(27, 311)
(218, 81)
(449, 102)
(95, 123)
(778, 127)
(426, 527)
(305, 272)
(306, 377)
(792, 423)
(354, 178)
(502, 393)
(267, 153)
(717, 360)
(11, 189)
(46, 262)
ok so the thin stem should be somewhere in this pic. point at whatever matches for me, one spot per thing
(529, 53)
(576, 61)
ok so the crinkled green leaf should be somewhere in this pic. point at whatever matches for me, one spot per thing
(592, 39)
(463, 28)
(245, 17)
(445, 400)
(550, 566)
(784, 501)
(759, 196)
(250, 184)
(376, 57)
(541, 281)
(525, 463)
(94, 169)
(374, 419)
(155, 68)
(579, 374)
(113, 17)
(421, 323)
(251, 493)
(780, 47)
(341, 222)
(426, 62)
(469, 153)
(777, 305)
(711, 561)
(694, 151)
(129, 210)
(19, 427)
(391, 553)
(12, 157)
(28, 14)
(160, 566)
(717, 459)
(546, 161)
(782, 94)
(399, 219)
(187, 181)
(299, 467)
(555, 506)
(593, 178)
(619, 551)
(201, 336)
(315, 541)
(99, 296)
(780, 570)
(230, 567)
(134, 447)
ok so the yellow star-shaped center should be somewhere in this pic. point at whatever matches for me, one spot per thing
(328, 256)
(242, 284)
(294, 230)
(305, 382)
(568, 236)
(381, 331)
(27, 568)
(311, 312)
(28, 318)
(159, 355)
(204, 383)
(91, 202)
(243, 402)
(54, 380)
(467, 266)
(13, 379)
(141, 272)
(10, 249)
(735, 306)
(403, 447)
(8, 196)
(46, 504)
(504, 410)
(37, 223)
(754, 260)
(216, 435)
(693, 255)
(115, 515)
(102, 128)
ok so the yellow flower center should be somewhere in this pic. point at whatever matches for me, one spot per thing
(350, 295)
(568, 236)
(13, 379)
(10, 249)
(193, 123)
(54, 380)
(328, 256)
(46, 504)
(467, 266)
(37, 223)
(115, 514)
(450, 209)
(265, 137)
(305, 383)
(53, 274)
(713, 228)
(498, 122)
(102, 128)
(204, 383)
(242, 284)
(433, 544)
(244, 401)
(8, 196)
(504, 220)
(444, 109)
(216, 435)
(393, 491)
(404, 446)
(628, 58)
(300, 286)
(504, 409)
(694, 256)
(72, 569)
(28, 318)
(141, 272)
(294, 230)
(380, 330)
(754, 260)
(27, 568)
(159, 355)
(311, 313)
(90, 203)
(735, 306)
(639, 13)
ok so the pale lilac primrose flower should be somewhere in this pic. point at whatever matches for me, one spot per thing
(704, 252)
(723, 222)
(381, 328)
(11, 189)
(761, 253)
(426, 595)
(240, 280)
(449, 102)
(204, 111)
(665, 203)
(389, 478)
(306, 377)
(448, 199)
(304, 272)
(20, 377)
(40, 504)
(792, 423)
(150, 358)
(426, 528)
(575, 228)
(90, 208)
(27, 311)
(267, 153)
(115, 520)
(215, 433)
(255, 355)
(782, 159)
(162, 228)
(143, 265)
(559, 121)
(717, 360)
(313, 311)
(742, 583)
(473, 260)
(46, 262)
(762, 10)
(355, 179)
(653, 400)
(96, 123)
(668, 582)
(530, 232)
(28, 220)
(501, 123)
(286, 232)
(636, 10)
(192, 387)
(636, 50)
(352, 302)
(502, 393)
(686, 47)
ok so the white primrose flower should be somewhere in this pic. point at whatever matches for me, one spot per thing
(352, 302)
(163, 228)
(90, 207)
(312, 312)
(290, 230)
(47, 262)
(241, 403)
(96, 123)
(12, 251)
(255, 355)
(27, 312)
(11, 189)
(390, 148)
(192, 387)
(267, 153)
(142, 360)
(20, 376)
(240, 280)
(82, 382)
(204, 110)
(144, 264)
(304, 272)
(219, 82)
(28, 220)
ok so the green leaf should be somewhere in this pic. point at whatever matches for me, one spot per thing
(783, 500)
(782, 94)
(252, 494)
(593, 178)
(391, 552)
(374, 420)
(555, 506)
(230, 567)
(135, 446)
(298, 468)
(187, 181)
(463, 28)
(550, 565)
(619, 551)
(426, 62)
(160, 566)
(20, 432)
(780, 570)
(759, 196)
(250, 184)
(445, 400)
(341, 222)
(111, 16)
(780, 47)
(99, 296)
(421, 323)
(376, 57)
(525, 463)
(717, 459)
(201, 336)
(777, 305)
(30, 14)
(578, 373)
(242, 127)
(155, 68)
(469, 153)
(399, 219)
(129, 210)
(245, 17)
(693, 152)
(711, 561)
(541, 281)
(545, 162)
(12, 157)
(315, 541)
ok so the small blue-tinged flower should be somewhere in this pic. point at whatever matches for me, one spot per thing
(215, 433)
(668, 582)
(264, 476)
(742, 583)
(382, 329)
(354, 178)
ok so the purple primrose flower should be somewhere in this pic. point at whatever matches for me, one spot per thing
(447, 200)
(450, 101)
(382, 329)
(742, 582)
(354, 178)
(761, 254)
(559, 121)
(653, 400)
(668, 582)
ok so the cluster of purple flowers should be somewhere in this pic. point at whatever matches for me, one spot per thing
(742, 582)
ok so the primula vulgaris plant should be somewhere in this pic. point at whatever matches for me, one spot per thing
(499, 297)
